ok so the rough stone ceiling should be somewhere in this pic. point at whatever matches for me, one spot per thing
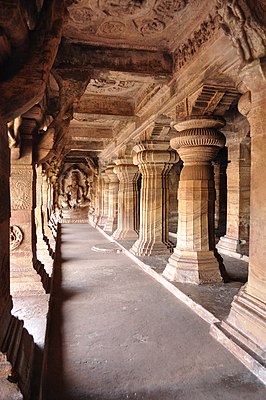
(138, 24)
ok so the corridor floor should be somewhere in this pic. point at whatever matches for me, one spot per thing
(115, 333)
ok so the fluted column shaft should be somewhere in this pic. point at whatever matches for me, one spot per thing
(193, 260)
(154, 161)
(126, 228)
(111, 222)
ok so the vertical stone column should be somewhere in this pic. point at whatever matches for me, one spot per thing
(247, 318)
(126, 172)
(24, 279)
(111, 222)
(193, 260)
(105, 198)
(236, 240)
(136, 197)
(155, 161)
(5, 298)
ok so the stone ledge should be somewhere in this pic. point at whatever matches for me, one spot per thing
(224, 334)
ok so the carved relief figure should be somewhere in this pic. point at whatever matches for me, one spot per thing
(75, 195)
(246, 34)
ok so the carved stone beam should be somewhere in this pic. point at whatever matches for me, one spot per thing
(27, 87)
(148, 62)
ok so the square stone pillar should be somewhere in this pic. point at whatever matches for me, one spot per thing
(105, 198)
(111, 222)
(155, 161)
(247, 318)
(5, 298)
(126, 172)
(236, 240)
(24, 278)
(194, 259)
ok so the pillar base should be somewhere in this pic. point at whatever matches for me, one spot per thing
(110, 225)
(231, 246)
(151, 249)
(197, 267)
(243, 334)
(122, 234)
(248, 319)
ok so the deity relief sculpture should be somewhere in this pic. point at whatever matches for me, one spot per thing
(74, 195)
(246, 34)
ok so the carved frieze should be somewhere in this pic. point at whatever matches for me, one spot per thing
(16, 237)
(190, 47)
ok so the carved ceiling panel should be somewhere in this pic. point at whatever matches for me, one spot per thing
(134, 22)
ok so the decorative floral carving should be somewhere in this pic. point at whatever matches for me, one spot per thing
(164, 11)
(21, 197)
(82, 15)
(111, 28)
(151, 26)
(187, 50)
(167, 8)
(106, 85)
(118, 8)
(16, 237)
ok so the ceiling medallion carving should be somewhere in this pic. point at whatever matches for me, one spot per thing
(118, 8)
(163, 13)
(119, 17)
(113, 28)
(111, 86)
(16, 237)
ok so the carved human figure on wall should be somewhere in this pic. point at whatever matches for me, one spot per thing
(247, 35)
(74, 195)
(233, 23)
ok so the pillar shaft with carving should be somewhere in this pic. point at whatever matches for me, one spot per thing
(126, 172)
(155, 161)
(111, 222)
(193, 260)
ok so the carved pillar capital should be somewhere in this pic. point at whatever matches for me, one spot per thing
(198, 138)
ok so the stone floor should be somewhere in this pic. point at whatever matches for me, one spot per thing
(116, 333)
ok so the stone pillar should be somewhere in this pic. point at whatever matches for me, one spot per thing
(136, 190)
(236, 240)
(219, 168)
(24, 279)
(193, 260)
(155, 161)
(111, 222)
(126, 172)
(247, 318)
(5, 298)
(105, 199)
